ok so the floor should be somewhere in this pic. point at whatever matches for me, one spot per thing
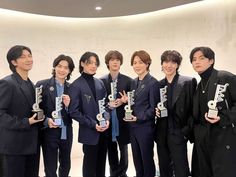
(77, 156)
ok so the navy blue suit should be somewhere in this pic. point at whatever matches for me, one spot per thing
(19, 139)
(118, 166)
(51, 137)
(142, 131)
(84, 109)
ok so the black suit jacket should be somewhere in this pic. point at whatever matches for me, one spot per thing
(48, 99)
(226, 108)
(17, 136)
(182, 101)
(123, 83)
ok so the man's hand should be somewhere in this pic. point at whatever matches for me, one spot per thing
(32, 119)
(102, 129)
(212, 120)
(51, 123)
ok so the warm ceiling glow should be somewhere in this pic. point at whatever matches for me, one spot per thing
(98, 8)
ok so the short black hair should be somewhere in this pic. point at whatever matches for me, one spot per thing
(70, 62)
(85, 58)
(206, 51)
(14, 53)
(171, 55)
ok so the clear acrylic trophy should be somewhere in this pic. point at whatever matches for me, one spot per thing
(112, 96)
(58, 108)
(128, 110)
(100, 118)
(38, 100)
(219, 97)
(160, 105)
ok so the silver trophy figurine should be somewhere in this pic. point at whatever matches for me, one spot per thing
(100, 118)
(160, 105)
(112, 96)
(58, 108)
(219, 97)
(38, 100)
(128, 110)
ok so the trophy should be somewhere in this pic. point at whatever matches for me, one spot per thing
(112, 96)
(128, 110)
(58, 107)
(219, 97)
(160, 105)
(38, 99)
(100, 118)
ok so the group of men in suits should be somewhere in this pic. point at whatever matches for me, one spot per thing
(204, 114)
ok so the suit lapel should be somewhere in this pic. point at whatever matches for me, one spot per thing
(142, 85)
(52, 90)
(177, 90)
(212, 85)
(87, 88)
(196, 101)
(25, 90)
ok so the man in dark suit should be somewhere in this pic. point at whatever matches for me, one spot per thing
(57, 136)
(119, 129)
(18, 128)
(142, 120)
(214, 118)
(172, 131)
(87, 107)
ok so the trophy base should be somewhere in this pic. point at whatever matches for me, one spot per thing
(128, 116)
(57, 122)
(40, 115)
(102, 123)
(163, 113)
(212, 113)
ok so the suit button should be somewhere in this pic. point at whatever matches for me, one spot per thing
(224, 127)
(219, 107)
(228, 147)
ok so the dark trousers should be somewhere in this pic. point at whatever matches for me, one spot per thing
(1, 165)
(94, 160)
(214, 151)
(118, 166)
(55, 149)
(142, 149)
(173, 158)
(21, 165)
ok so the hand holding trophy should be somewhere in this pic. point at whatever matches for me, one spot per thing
(161, 107)
(100, 118)
(38, 99)
(219, 97)
(58, 107)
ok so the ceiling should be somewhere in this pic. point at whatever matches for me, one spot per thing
(85, 8)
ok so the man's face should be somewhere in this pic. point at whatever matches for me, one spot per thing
(200, 62)
(114, 64)
(24, 62)
(62, 70)
(169, 68)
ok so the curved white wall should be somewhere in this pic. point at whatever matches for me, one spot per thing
(210, 23)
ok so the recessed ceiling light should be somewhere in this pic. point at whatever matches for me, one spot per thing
(98, 8)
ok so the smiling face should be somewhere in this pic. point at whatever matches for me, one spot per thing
(169, 67)
(24, 63)
(62, 70)
(139, 66)
(200, 63)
